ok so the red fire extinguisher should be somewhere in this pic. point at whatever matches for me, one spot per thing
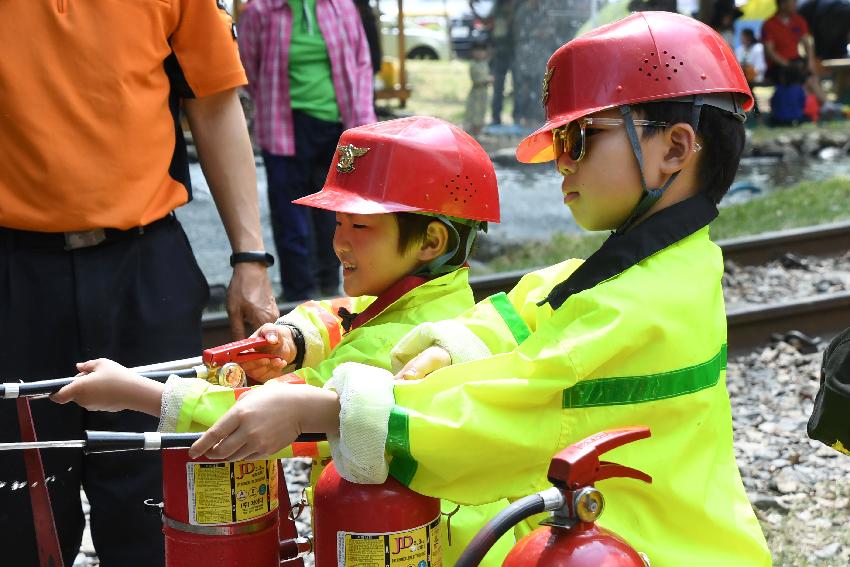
(570, 537)
(380, 525)
(226, 513)
(214, 512)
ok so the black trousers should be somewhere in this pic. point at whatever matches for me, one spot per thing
(135, 298)
(303, 236)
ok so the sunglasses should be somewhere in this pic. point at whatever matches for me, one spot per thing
(571, 139)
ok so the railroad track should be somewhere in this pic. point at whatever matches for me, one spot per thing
(749, 327)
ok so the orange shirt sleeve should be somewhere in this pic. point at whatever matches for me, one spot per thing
(204, 43)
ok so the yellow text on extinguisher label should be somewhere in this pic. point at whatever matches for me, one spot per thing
(416, 547)
(228, 493)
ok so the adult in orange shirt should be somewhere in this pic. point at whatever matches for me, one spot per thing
(92, 260)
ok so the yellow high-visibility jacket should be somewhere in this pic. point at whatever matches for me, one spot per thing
(196, 405)
(644, 346)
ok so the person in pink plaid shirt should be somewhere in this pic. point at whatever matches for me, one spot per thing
(310, 76)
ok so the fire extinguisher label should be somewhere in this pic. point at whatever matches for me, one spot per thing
(417, 547)
(230, 492)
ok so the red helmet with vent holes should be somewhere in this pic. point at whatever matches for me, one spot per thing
(416, 164)
(644, 57)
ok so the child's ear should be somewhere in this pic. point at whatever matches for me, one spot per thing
(682, 148)
(435, 243)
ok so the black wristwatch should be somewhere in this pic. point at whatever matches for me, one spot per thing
(262, 257)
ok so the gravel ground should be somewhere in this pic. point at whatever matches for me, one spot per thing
(791, 277)
(799, 488)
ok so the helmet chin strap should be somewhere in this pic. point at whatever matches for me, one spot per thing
(649, 196)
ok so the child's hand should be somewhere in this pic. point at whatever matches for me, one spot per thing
(281, 346)
(431, 359)
(105, 385)
(267, 419)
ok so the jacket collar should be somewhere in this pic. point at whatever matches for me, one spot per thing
(622, 251)
(351, 321)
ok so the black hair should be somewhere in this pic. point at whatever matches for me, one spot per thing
(750, 32)
(721, 136)
(413, 229)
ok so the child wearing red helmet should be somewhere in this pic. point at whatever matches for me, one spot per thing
(410, 195)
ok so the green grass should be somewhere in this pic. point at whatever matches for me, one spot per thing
(804, 204)
(439, 88)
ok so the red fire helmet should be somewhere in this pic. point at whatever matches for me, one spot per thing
(644, 57)
(415, 164)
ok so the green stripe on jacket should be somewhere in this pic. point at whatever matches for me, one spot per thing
(647, 388)
(592, 393)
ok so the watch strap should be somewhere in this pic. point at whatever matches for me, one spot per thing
(254, 256)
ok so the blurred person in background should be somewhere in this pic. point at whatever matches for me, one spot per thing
(784, 35)
(829, 22)
(310, 75)
(750, 55)
(501, 21)
(476, 101)
(723, 20)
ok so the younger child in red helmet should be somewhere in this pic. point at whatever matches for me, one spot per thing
(410, 195)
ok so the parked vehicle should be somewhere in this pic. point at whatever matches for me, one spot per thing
(424, 37)
(467, 29)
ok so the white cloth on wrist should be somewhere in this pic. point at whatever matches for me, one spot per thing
(365, 400)
(461, 343)
(175, 392)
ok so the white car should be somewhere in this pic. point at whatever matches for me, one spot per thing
(425, 37)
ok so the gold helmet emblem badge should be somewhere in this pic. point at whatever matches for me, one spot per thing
(347, 155)
(546, 78)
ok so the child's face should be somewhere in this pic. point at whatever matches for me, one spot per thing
(367, 246)
(603, 187)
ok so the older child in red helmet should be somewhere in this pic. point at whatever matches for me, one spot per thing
(410, 196)
(644, 123)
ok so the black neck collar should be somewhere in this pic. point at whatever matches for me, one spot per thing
(622, 251)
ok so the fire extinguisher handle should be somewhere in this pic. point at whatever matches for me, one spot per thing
(579, 465)
(237, 351)
(42, 388)
(111, 441)
(39, 388)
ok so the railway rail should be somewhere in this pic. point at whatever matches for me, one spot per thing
(749, 327)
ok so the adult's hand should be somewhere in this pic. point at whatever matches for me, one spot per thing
(250, 298)
(224, 150)
(431, 359)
